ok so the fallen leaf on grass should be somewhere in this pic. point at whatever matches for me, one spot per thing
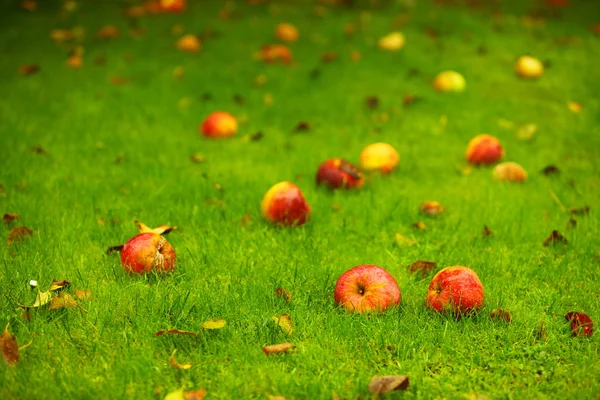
(83, 294)
(271, 397)
(173, 362)
(159, 230)
(285, 323)
(555, 238)
(10, 217)
(119, 80)
(550, 170)
(580, 211)
(424, 267)
(29, 69)
(302, 127)
(189, 395)
(174, 332)
(64, 300)
(404, 241)
(372, 102)
(278, 348)
(526, 132)
(487, 231)
(419, 225)
(431, 208)
(197, 158)
(29, 5)
(329, 57)
(18, 234)
(581, 324)
(273, 53)
(575, 106)
(10, 348)
(284, 294)
(501, 315)
(215, 323)
(384, 384)
(107, 32)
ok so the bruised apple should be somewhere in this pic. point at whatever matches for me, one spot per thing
(366, 288)
(338, 173)
(147, 252)
(455, 290)
(284, 204)
(219, 124)
(484, 149)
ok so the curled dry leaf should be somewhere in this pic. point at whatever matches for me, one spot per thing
(302, 126)
(487, 231)
(424, 267)
(10, 217)
(500, 314)
(278, 348)
(580, 211)
(19, 234)
(29, 69)
(581, 324)
(372, 102)
(174, 364)
(384, 384)
(83, 294)
(215, 323)
(63, 300)
(174, 332)
(431, 208)
(404, 241)
(284, 294)
(58, 285)
(550, 170)
(284, 321)
(555, 238)
(274, 53)
(10, 348)
(159, 230)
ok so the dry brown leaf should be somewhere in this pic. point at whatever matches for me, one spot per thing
(329, 57)
(113, 249)
(501, 315)
(215, 323)
(555, 238)
(174, 364)
(284, 294)
(83, 294)
(424, 267)
(580, 211)
(372, 102)
(302, 126)
(29, 5)
(275, 53)
(18, 234)
(384, 384)
(285, 323)
(550, 170)
(57, 285)
(29, 69)
(10, 348)
(404, 241)
(159, 230)
(431, 208)
(64, 300)
(278, 348)
(10, 217)
(174, 332)
(108, 32)
(486, 231)
(41, 299)
(541, 332)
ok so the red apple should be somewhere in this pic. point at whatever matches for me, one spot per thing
(366, 288)
(484, 149)
(455, 289)
(379, 156)
(336, 173)
(284, 204)
(147, 252)
(219, 124)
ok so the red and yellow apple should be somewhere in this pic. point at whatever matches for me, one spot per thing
(456, 290)
(339, 173)
(284, 204)
(274, 53)
(510, 172)
(449, 81)
(147, 252)
(366, 288)
(286, 32)
(219, 124)
(379, 156)
(484, 149)
(529, 67)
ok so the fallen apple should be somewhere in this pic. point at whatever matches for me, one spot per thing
(147, 252)
(449, 81)
(510, 172)
(379, 156)
(219, 124)
(457, 290)
(172, 5)
(338, 173)
(529, 67)
(286, 32)
(366, 288)
(284, 204)
(393, 41)
(484, 149)
(189, 43)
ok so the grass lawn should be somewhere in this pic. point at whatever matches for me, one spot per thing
(85, 152)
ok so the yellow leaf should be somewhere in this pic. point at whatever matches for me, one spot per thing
(57, 285)
(173, 362)
(278, 348)
(42, 298)
(285, 323)
(215, 323)
(159, 230)
(189, 395)
(404, 241)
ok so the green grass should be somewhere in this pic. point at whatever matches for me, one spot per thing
(226, 270)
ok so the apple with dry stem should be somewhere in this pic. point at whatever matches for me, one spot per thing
(147, 252)
(449, 81)
(484, 149)
(284, 204)
(510, 172)
(529, 67)
(338, 173)
(219, 124)
(456, 290)
(379, 156)
(366, 288)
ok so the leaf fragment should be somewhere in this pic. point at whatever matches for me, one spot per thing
(575, 106)
(551, 170)
(159, 230)
(29, 69)
(580, 211)
(19, 234)
(431, 208)
(10, 217)
(174, 332)
(302, 126)
(58, 285)
(107, 32)
(526, 132)
(487, 231)
(10, 348)
(372, 102)
(174, 364)
(83, 294)
(197, 158)
(419, 225)
(284, 321)
(404, 241)
(63, 300)
(581, 324)
(555, 238)
(284, 294)
(424, 267)
(215, 323)
(500, 314)
(384, 384)
(278, 348)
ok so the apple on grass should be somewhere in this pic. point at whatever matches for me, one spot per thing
(379, 156)
(219, 124)
(484, 149)
(529, 67)
(456, 290)
(147, 252)
(338, 173)
(449, 81)
(366, 288)
(284, 204)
